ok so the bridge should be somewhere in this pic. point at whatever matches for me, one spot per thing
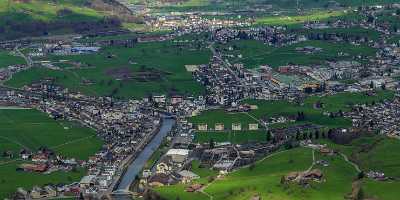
(122, 194)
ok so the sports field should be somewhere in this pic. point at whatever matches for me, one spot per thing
(31, 129)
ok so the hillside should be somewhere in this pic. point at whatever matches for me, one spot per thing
(21, 18)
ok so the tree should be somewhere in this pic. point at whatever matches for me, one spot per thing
(383, 86)
(268, 135)
(316, 135)
(360, 175)
(212, 145)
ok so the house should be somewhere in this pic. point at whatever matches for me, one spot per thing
(202, 127)
(161, 179)
(187, 176)
(219, 127)
(253, 127)
(163, 168)
(176, 100)
(34, 167)
(236, 126)
(41, 157)
(40, 193)
(86, 181)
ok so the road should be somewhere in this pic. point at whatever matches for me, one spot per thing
(226, 64)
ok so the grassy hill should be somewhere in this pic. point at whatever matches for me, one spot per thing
(263, 180)
(231, 5)
(43, 17)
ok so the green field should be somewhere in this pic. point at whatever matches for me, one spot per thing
(263, 179)
(211, 117)
(43, 17)
(266, 109)
(373, 153)
(6, 59)
(153, 68)
(10, 179)
(354, 32)
(231, 5)
(255, 53)
(31, 129)
(234, 137)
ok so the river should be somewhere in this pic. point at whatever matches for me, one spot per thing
(137, 165)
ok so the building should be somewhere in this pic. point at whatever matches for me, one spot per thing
(253, 127)
(41, 193)
(86, 181)
(202, 127)
(219, 127)
(236, 126)
(187, 176)
(178, 155)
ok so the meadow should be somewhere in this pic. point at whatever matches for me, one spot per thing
(23, 14)
(31, 129)
(148, 68)
(372, 152)
(263, 179)
(255, 53)
(234, 137)
(6, 59)
(267, 109)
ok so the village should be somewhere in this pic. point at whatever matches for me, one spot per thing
(126, 126)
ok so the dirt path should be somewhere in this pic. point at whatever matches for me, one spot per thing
(351, 163)
(71, 142)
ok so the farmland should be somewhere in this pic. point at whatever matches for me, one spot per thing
(157, 68)
(30, 129)
(254, 53)
(6, 59)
